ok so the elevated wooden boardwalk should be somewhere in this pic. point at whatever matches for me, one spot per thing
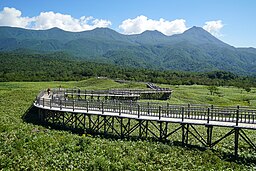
(98, 115)
(124, 94)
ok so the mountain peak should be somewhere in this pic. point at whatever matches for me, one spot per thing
(199, 35)
(152, 33)
(55, 28)
(197, 31)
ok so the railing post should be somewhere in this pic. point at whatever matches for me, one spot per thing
(182, 114)
(211, 112)
(167, 110)
(50, 103)
(43, 102)
(119, 108)
(131, 106)
(160, 109)
(237, 115)
(148, 109)
(138, 111)
(60, 105)
(208, 115)
(73, 105)
(102, 107)
(188, 110)
(87, 106)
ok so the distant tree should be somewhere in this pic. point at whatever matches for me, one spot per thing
(213, 90)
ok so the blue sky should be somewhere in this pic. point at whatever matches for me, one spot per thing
(232, 21)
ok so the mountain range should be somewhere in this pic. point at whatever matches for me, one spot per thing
(194, 50)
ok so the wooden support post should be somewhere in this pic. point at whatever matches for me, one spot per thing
(96, 124)
(89, 121)
(121, 128)
(209, 135)
(183, 134)
(84, 122)
(160, 131)
(140, 131)
(105, 125)
(165, 130)
(63, 119)
(186, 140)
(146, 128)
(236, 140)
(112, 124)
(75, 123)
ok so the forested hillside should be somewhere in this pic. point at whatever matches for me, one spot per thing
(195, 50)
(59, 66)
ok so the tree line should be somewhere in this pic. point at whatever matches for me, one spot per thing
(59, 66)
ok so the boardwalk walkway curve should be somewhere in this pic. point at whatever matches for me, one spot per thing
(68, 108)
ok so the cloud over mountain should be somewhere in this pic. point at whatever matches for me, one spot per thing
(45, 20)
(12, 17)
(213, 27)
(142, 23)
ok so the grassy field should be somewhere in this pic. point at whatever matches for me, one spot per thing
(26, 146)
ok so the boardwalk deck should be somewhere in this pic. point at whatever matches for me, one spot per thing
(236, 118)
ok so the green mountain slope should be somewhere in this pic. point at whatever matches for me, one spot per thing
(193, 50)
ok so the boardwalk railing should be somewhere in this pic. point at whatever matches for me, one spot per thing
(154, 110)
(162, 93)
(149, 119)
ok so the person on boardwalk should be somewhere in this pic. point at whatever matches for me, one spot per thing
(48, 91)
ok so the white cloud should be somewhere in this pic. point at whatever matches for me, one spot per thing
(12, 17)
(213, 27)
(47, 20)
(50, 19)
(142, 23)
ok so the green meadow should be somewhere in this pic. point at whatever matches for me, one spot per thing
(28, 146)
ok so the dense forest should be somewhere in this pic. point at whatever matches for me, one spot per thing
(59, 66)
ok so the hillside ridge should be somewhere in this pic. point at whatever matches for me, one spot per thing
(194, 50)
